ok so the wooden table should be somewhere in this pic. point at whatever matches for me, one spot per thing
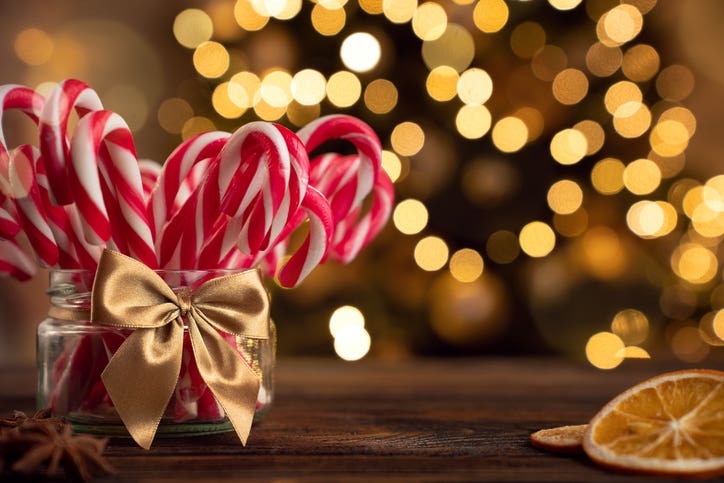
(422, 420)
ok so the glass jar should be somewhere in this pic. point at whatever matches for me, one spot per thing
(71, 355)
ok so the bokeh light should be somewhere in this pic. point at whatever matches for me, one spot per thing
(247, 17)
(343, 88)
(431, 253)
(490, 15)
(473, 122)
(641, 63)
(537, 239)
(675, 83)
(631, 325)
(466, 265)
(33, 46)
(694, 263)
(564, 4)
(474, 86)
(328, 22)
(381, 96)
(429, 21)
(345, 318)
(570, 86)
(641, 176)
(392, 165)
(276, 89)
(399, 11)
(565, 197)
(360, 52)
(454, 48)
(211, 59)
(308, 87)
(173, 113)
(604, 350)
(407, 138)
(568, 146)
(352, 344)
(502, 247)
(192, 27)
(442, 83)
(410, 216)
(510, 134)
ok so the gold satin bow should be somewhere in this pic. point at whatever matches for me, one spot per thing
(141, 376)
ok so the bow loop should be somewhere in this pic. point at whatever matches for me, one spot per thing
(142, 374)
(218, 301)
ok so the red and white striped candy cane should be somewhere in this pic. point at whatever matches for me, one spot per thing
(253, 165)
(86, 254)
(64, 221)
(15, 262)
(355, 187)
(331, 174)
(314, 248)
(252, 240)
(25, 194)
(252, 228)
(348, 180)
(54, 143)
(193, 180)
(23, 99)
(179, 178)
(107, 186)
(150, 171)
(9, 227)
(364, 229)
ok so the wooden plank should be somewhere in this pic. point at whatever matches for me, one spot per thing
(423, 420)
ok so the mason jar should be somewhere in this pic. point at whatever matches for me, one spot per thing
(72, 354)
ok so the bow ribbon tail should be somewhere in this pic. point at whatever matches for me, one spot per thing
(141, 392)
(232, 381)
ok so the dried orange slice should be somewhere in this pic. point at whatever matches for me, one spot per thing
(672, 424)
(564, 439)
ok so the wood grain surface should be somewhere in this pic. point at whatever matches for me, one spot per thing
(420, 420)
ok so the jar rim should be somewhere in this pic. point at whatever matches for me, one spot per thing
(230, 271)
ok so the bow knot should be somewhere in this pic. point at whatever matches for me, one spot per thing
(143, 373)
(183, 297)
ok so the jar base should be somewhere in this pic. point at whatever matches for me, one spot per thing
(102, 426)
(114, 428)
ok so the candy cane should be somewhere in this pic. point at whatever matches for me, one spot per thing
(347, 181)
(15, 262)
(9, 227)
(334, 174)
(293, 196)
(26, 100)
(253, 165)
(102, 146)
(315, 246)
(25, 194)
(357, 185)
(175, 174)
(255, 233)
(64, 221)
(54, 145)
(150, 171)
(370, 224)
(193, 180)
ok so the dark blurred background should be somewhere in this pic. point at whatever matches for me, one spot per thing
(557, 163)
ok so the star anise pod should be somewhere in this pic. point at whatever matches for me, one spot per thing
(37, 445)
(40, 416)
